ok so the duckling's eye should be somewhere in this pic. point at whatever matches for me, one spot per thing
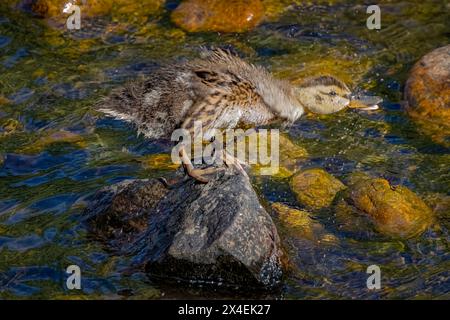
(332, 93)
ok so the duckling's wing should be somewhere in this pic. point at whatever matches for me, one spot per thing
(212, 113)
(236, 97)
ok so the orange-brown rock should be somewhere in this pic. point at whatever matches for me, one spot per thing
(218, 15)
(299, 224)
(395, 211)
(315, 188)
(290, 156)
(428, 94)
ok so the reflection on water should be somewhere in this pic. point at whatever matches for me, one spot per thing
(49, 78)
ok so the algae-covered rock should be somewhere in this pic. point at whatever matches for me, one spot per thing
(300, 224)
(440, 205)
(218, 15)
(133, 7)
(297, 66)
(10, 126)
(290, 155)
(394, 210)
(315, 188)
(428, 94)
(274, 8)
(158, 162)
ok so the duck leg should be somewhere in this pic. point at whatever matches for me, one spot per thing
(196, 174)
(231, 160)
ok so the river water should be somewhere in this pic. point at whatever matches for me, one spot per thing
(55, 150)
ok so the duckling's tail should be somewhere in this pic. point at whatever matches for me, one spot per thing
(122, 103)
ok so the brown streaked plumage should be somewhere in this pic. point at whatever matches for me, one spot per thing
(221, 90)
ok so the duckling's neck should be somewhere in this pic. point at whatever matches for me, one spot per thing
(280, 96)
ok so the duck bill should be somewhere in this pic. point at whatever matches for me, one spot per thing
(365, 103)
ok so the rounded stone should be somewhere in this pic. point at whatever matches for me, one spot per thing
(395, 211)
(218, 15)
(290, 156)
(315, 188)
(427, 92)
(300, 224)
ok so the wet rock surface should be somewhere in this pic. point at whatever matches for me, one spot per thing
(118, 213)
(428, 94)
(214, 233)
(291, 156)
(315, 188)
(395, 211)
(218, 15)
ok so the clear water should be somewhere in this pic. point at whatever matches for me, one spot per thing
(52, 77)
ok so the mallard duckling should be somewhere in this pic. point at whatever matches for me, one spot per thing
(223, 92)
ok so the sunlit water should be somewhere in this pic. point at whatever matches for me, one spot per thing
(52, 77)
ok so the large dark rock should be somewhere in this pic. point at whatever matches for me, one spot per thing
(212, 233)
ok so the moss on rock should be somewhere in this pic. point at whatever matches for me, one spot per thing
(290, 154)
(300, 224)
(315, 188)
(428, 94)
(10, 126)
(395, 211)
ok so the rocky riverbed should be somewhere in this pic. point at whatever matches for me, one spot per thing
(354, 189)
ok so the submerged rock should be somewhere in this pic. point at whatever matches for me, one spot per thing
(315, 188)
(4, 101)
(10, 126)
(161, 161)
(273, 9)
(395, 211)
(290, 155)
(207, 233)
(428, 94)
(300, 224)
(119, 212)
(218, 15)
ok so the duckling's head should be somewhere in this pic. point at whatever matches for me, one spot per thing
(326, 94)
(323, 95)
